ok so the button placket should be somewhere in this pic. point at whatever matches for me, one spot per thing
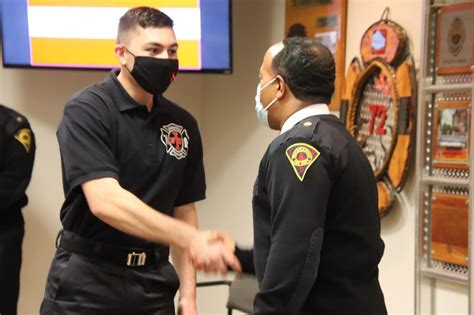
(151, 139)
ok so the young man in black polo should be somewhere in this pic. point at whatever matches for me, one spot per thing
(17, 155)
(131, 160)
(317, 238)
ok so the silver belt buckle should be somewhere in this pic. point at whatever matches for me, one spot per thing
(136, 259)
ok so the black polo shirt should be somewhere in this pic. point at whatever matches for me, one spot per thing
(155, 155)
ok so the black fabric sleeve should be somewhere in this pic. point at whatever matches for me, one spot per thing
(193, 184)
(15, 174)
(245, 256)
(298, 210)
(85, 144)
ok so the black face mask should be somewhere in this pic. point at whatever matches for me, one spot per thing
(154, 75)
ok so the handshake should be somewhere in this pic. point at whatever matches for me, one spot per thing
(212, 251)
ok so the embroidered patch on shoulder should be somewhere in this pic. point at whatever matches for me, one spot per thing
(24, 137)
(176, 140)
(301, 157)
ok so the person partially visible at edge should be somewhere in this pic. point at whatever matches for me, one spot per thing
(317, 241)
(17, 156)
(132, 166)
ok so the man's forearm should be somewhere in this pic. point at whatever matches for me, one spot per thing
(181, 261)
(119, 208)
(125, 212)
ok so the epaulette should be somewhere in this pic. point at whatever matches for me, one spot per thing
(12, 121)
(305, 128)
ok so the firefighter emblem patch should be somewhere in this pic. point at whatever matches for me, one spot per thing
(176, 140)
(24, 137)
(301, 157)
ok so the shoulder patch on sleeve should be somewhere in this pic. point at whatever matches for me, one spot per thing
(301, 157)
(24, 137)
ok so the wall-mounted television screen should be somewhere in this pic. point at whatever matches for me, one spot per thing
(82, 33)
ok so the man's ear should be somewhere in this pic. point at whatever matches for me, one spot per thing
(120, 54)
(281, 88)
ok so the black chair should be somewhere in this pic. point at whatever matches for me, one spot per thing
(242, 292)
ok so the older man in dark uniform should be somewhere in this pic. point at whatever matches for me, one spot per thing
(17, 154)
(316, 226)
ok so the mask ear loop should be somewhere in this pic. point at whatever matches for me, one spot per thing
(275, 100)
(134, 57)
(271, 103)
(268, 83)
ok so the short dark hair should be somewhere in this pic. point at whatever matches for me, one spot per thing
(308, 69)
(144, 17)
(297, 30)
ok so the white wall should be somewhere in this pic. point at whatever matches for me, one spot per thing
(234, 144)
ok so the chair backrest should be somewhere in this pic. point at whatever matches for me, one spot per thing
(242, 293)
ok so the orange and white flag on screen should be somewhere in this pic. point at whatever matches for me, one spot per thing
(83, 33)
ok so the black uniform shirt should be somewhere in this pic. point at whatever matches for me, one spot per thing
(155, 155)
(317, 238)
(17, 154)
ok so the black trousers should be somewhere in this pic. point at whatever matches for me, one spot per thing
(81, 285)
(11, 240)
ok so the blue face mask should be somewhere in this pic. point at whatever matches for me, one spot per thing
(262, 112)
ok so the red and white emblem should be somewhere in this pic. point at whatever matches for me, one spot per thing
(176, 140)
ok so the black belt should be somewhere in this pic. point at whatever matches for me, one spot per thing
(128, 257)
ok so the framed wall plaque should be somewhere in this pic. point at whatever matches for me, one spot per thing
(451, 134)
(449, 226)
(455, 39)
(326, 21)
(384, 39)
